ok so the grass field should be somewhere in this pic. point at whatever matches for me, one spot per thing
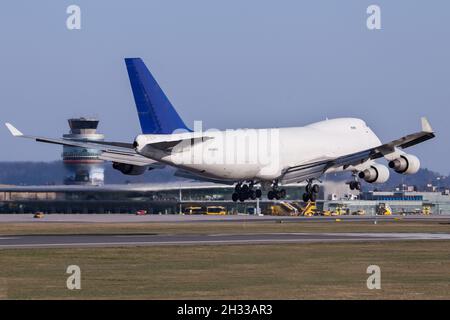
(409, 269)
(39, 227)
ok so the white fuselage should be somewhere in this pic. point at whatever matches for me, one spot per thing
(262, 154)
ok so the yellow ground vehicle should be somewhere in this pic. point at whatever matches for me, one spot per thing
(194, 210)
(219, 210)
(277, 210)
(426, 210)
(283, 208)
(326, 213)
(309, 210)
(384, 210)
(38, 215)
(339, 211)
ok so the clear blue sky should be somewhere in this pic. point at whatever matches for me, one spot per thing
(229, 63)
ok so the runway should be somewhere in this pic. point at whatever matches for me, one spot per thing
(176, 218)
(60, 241)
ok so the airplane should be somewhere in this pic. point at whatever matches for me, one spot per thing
(297, 154)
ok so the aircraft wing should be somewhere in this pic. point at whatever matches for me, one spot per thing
(111, 151)
(191, 175)
(317, 168)
(120, 151)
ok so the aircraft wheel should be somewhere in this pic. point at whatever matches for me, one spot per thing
(313, 197)
(258, 193)
(242, 197)
(252, 194)
(235, 196)
(270, 195)
(282, 193)
(315, 188)
(308, 188)
(352, 185)
(305, 197)
(358, 185)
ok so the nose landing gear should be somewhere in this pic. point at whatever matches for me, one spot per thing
(355, 184)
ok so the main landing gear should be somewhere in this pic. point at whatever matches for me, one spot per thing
(276, 193)
(243, 192)
(312, 190)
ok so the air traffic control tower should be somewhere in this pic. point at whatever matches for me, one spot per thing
(83, 165)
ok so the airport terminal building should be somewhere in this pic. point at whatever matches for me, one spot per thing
(175, 198)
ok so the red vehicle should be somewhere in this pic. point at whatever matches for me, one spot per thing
(141, 212)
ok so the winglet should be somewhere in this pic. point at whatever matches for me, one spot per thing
(426, 127)
(13, 130)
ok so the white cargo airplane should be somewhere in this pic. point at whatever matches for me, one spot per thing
(297, 154)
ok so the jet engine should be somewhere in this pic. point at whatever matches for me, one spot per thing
(376, 173)
(405, 164)
(129, 169)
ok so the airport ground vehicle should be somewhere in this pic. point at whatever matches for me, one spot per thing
(340, 210)
(309, 210)
(141, 212)
(384, 210)
(426, 210)
(38, 215)
(217, 210)
(194, 210)
(326, 213)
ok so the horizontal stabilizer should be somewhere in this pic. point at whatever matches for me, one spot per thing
(133, 159)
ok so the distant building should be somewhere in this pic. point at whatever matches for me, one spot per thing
(173, 198)
(83, 165)
(405, 187)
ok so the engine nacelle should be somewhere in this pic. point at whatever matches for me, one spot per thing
(129, 169)
(405, 164)
(376, 173)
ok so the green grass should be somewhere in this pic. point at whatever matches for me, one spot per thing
(410, 270)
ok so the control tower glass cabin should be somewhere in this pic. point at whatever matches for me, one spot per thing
(82, 165)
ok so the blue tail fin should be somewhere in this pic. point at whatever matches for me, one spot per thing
(156, 113)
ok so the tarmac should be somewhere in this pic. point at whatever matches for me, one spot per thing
(109, 240)
(178, 218)
(113, 240)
